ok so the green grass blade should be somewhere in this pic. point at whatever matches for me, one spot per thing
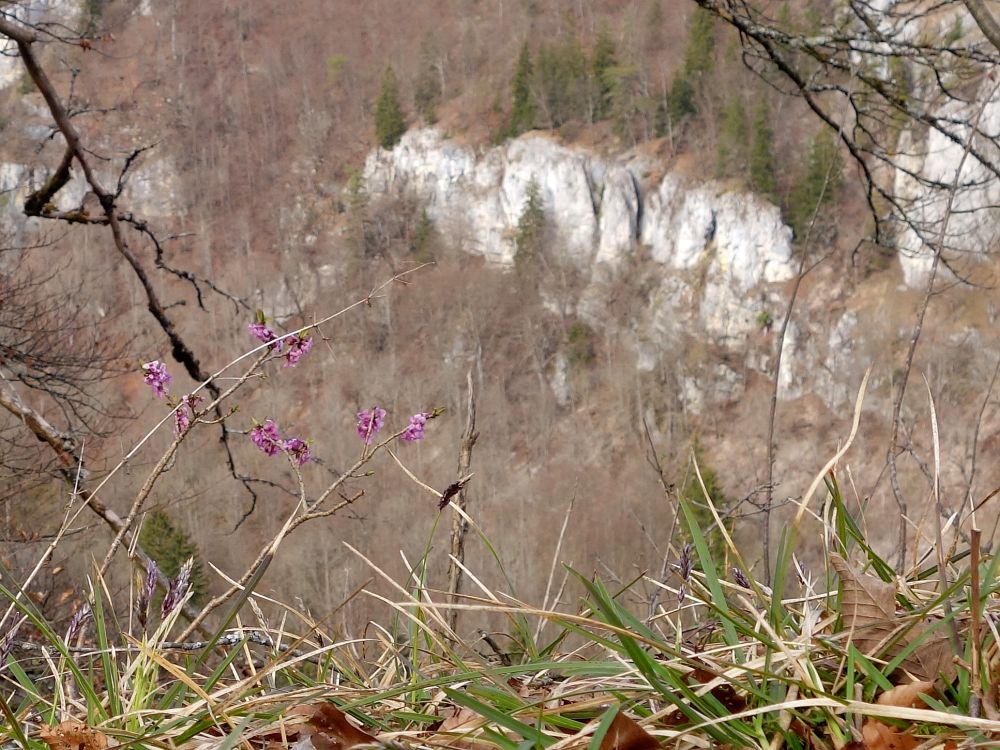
(499, 717)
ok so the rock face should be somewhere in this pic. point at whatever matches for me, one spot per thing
(51, 11)
(972, 226)
(713, 247)
(596, 207)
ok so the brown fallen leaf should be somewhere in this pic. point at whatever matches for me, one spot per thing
(868, 606)
(324, 725)
(462, 727)
(625, 734)
(869, 617)
(907, 696)
(73, 735)
(334, 731)
(880, 736)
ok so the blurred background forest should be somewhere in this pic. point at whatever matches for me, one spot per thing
(253, 132)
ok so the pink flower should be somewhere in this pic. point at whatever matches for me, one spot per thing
(262, 333)
(298, 449)
(298, 347)
(415, 430)
(182, 417)
(156, 377)
(265, 436)
(369, 423)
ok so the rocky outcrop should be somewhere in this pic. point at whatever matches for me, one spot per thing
(598, 207)
(929, 161)
(37, 11)
(714, 246)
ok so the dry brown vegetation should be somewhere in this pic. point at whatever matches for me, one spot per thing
(264, 114)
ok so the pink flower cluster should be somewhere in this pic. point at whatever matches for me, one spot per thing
(182, 417)
(298, 346)
(156, 377)
(415, 430)
(370, 421)
(268, 439)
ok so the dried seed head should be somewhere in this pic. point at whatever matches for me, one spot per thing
(146, 594)
(6, 647)
(177, 589)
(739, 578)
(685, 564)
(77, 622)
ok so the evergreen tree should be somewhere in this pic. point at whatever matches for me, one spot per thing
(697, 66)
(170, 546)
(389, 122)
(562, 82)
(524, 111)
(602, 68)
(529, 236)
(762, 177)
(821, 179)
(698, 55)
(427, 91)
(731, 156)
(680, 99)
(629, 107)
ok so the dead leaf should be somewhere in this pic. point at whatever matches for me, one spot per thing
(625, 734)
(907, 696)
(334, 731)
(460, 727)
(868, 606)
(321, 726)
(73, 735)
(879, 736)
(870, 619)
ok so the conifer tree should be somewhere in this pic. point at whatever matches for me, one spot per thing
(523, 112)
(698, 65)
(427, 91)
(562, 82)
(732, 145)
(818, 186)
(762, 177)
(389, 122)
(602, 68)
(530, 233)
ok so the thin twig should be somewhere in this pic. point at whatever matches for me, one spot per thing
(459, 527)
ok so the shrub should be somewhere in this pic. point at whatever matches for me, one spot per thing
(580, 344)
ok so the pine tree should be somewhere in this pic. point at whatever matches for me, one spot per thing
(530, 234)
(698, 55)
(762, 177)
(732, 146)
(170, 546)
(602, 67)
(427, 91)
(523, 112)
(697, 66)
(821, 179)
(562, 82)
(389, 122)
